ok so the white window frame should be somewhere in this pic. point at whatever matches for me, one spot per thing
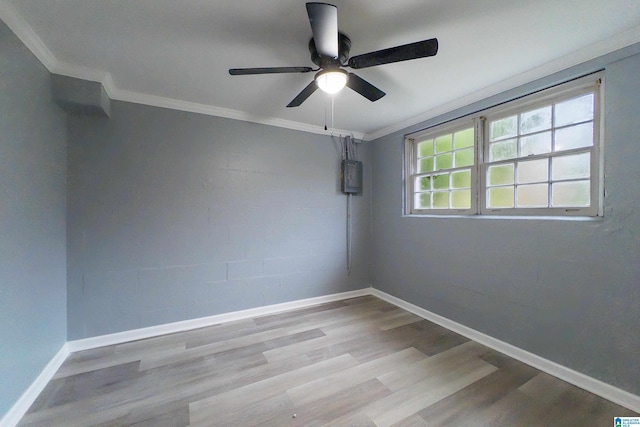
(411, 154)
(480, 121)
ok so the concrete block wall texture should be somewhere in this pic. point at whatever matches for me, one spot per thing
(566, 290)
(174, 216)
(33, 313)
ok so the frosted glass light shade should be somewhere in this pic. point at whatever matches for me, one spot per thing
(332, 81)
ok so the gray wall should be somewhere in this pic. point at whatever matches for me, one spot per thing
(566, 290)
(176, 215)
(32, 220)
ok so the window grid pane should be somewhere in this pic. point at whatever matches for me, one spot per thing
(500, 197)
(532, 196)
(571, 194)
(443, 190)
(444, 164)
(558, 180)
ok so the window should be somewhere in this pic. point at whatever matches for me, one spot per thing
(538, 155)
(445, 169)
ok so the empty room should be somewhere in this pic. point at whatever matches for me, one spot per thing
(289, 213)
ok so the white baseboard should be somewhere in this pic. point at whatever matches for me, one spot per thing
(185, 325)
(17, 411)
(578, 379)
(607, 391)
(25, 401)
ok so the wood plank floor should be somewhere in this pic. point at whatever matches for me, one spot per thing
(358, 362)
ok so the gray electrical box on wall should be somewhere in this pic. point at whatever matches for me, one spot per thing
(351, 177)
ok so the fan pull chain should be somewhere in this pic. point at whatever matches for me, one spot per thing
(325, 111)
(326, 96)
(332, 98)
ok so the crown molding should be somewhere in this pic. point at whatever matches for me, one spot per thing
(34, 43)
(583, 55)
(211, 110)
(25, 33)
(85, 73)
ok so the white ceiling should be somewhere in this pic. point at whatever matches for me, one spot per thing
(177, 53)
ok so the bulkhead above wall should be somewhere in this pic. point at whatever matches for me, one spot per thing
(79, 96)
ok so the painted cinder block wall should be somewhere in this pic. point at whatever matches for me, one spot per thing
(175, 215)
(33, 312)
(566, 290)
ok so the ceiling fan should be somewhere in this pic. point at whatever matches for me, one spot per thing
(330, 52)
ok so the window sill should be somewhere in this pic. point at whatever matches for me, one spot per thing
(510, 217)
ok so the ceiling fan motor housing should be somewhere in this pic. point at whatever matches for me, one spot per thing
(344, 46)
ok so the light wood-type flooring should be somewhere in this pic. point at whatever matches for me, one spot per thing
(357, 362)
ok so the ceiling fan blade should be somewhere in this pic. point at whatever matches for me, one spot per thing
(324, 25)
(364, 88)
(268, 70)
(395, 54)
(302, 96)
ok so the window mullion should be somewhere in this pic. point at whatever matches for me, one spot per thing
(549, 175)
(482, 148)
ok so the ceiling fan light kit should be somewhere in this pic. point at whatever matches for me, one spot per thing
(330, 52)
(332, 81)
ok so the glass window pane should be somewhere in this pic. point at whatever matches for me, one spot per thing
(423, 183)
(574, 110)
(574, 137)
(425, 165)
(461, 179)
(500, 197)
(461, 199)
(571, 194)
(536, 120)
(533, 171)
(571, 167)
(425, 148)
(463, 139)
(422, 201)
(503, 128)
(532, 145)
(441, 182)
(533, 196)
(441, 200)
(444, 143)
(444, 161)
(464, 157)
(503, 150)
(500, 175)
